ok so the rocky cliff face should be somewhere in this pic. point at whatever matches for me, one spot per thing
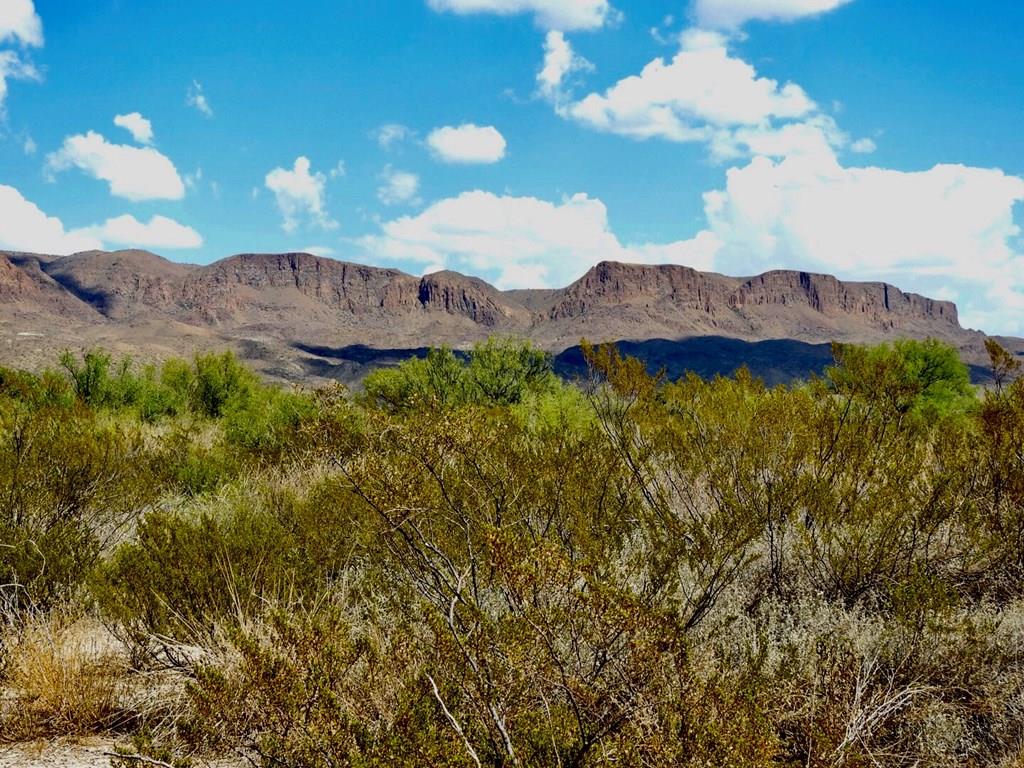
(877, 303)
(471, 298)
(244, 281)
(611, 284)
(296, 299)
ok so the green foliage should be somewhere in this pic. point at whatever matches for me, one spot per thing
(925, 378)
(475, 563)
(497, 372)
(1005, 366)
(70, 482)
(221, 563)
(316, 691)
(267, 420)
(220, 382)
(46, 390)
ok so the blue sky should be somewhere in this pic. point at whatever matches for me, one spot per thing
(524, 140)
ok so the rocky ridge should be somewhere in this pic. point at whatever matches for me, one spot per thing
(276, 305)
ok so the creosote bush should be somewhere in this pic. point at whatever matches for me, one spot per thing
(474, 563)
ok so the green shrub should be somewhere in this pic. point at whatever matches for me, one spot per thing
(71, 483)
(48, 389)
(317, 691)
(221, 563)
(219, 381)
(909, 376)
(267, 420)
(498, 372)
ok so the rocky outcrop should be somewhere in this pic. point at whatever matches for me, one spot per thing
(471, 298)
(238, 282)
(711, 298)
(878, 303)
(299, 298)
(119, 284)
(615, 284)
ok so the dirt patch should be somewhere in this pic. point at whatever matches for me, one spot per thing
(88, 753)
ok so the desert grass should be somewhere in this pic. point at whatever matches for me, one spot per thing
(64, 674)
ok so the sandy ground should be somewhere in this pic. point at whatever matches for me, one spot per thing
(88, 753)
(79, 753)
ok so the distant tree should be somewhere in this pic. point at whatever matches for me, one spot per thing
(908, 376)
(497, 372)
(502, 371)
(90, 377)
(220, 380)
(1004, 365)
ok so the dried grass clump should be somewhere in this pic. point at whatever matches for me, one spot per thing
(67, 676)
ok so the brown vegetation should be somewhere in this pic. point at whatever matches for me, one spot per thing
(473, 563)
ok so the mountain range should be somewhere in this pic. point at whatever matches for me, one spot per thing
(300, 317)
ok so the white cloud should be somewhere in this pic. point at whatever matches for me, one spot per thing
(732, 14)
(702, 92)
(817, 136)
(951, 226)
(29, 146)
(467, 143)
(300, 194)
(196, 99)
(20, 23)
(24, 227)
(560, 61)
(863, 146)
(134, 173)
(391, 134)
(158, 232)
(564, 15)
(192, 179)
(13, 67)
(338, 171)
(139, 127)
(521, 241)
(398, 187)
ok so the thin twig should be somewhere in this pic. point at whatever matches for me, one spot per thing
(454, 722)
(139, 759)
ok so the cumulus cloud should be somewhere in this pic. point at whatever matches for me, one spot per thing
(732, 14)
(390, 134)
(560, 61)
(14, 67)
(863, 146)
(19, 23)
(564, 15)
(398, 187)
(25, 227)
(951, 226)
(701, 92)
(521, 241)
(300, 195)
(139, 127)
(134, 173)
(196, 99)
(158, 232)
(467, 144)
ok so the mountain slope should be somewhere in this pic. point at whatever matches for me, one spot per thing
(296, 315)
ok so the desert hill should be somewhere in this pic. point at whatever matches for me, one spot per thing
(298, 316)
